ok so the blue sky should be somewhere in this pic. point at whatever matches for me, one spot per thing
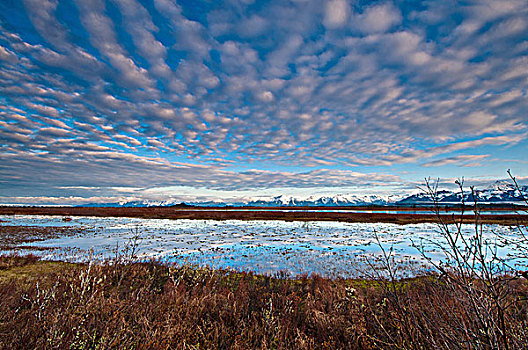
(103, 101)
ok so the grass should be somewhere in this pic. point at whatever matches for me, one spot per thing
(159, 306)
(11, 237)
(293, 214)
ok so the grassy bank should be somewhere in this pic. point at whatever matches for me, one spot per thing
(290, 214)
(156, 306)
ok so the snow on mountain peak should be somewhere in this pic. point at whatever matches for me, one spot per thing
(501, 186)
(499, 191)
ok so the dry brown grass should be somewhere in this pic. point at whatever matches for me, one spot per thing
(159, 306)
(293, 214)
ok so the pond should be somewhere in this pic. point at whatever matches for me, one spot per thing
(292, 248)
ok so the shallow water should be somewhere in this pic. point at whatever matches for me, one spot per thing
(365, 211)
(327, 248)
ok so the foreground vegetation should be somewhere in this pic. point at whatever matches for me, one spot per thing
(159, 306)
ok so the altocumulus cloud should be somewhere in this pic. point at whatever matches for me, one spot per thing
(231, 95)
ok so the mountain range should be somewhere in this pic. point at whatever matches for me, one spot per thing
(500, 192)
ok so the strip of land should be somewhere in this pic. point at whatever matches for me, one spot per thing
(375, 214)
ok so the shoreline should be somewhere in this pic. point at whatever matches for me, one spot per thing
(277, 213)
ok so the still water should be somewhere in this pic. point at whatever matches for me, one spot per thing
(328, 248)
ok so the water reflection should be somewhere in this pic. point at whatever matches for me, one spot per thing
(327, 248)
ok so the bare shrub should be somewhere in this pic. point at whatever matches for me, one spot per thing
(479, 278)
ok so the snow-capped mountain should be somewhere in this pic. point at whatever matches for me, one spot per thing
(139, 204)
(498, 192)
(327, 201)
(278, 201)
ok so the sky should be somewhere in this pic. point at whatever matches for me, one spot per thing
(106, 101)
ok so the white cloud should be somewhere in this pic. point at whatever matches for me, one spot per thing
(336, 13)
(378, 18)
(8, 56)
(462, 160)
(265, 96)
(141, 28)
(103, 37)
(252, 26)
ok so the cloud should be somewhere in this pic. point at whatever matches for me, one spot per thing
(336, 13)
(144, 37)
(378, 18)
(191, 34)
(97, 167)
(265, 96)
(300, 85)
(7, 56)
(75, 58)
(252, 26)
(416, 155)
(103, 37)
(462, 160)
